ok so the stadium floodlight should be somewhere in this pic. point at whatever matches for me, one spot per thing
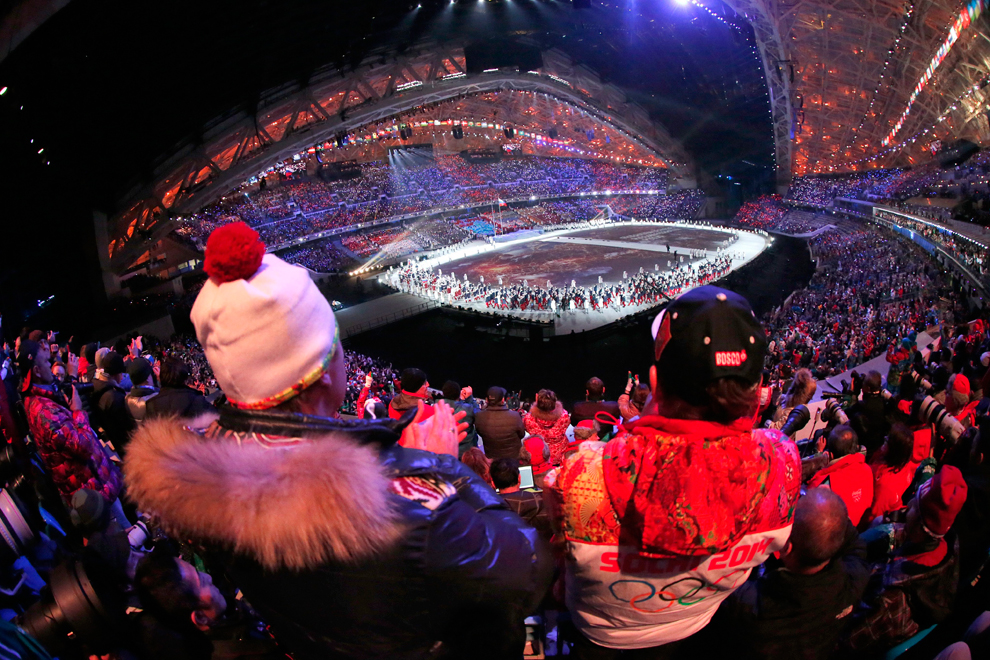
(3, 90)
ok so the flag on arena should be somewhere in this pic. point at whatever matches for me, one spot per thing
(501, 202)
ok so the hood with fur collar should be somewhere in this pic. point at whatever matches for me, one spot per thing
(296, 506)
(544, 416)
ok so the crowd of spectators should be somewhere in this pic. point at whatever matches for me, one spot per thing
(408, 237)
(321, 256)
(870, 290)
(966, 250)
(766, 213)
(302, 205)
(969, 180)
(683, 205)
(770, 213)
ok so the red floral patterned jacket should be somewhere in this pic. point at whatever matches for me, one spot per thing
(69, 446)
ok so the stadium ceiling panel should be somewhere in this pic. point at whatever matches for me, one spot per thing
(560, 109)
(854, 69)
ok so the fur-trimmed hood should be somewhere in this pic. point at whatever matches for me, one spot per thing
(547, 417)
(297, 507)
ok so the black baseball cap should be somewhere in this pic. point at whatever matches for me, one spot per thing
(412, 379)
(495, 394)
(113, 364)
(139, 369)
(706, 334)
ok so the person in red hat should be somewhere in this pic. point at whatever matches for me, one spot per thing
(916, 586)
(585, 431)
(957, 400)
(667, 519)
(536, 453)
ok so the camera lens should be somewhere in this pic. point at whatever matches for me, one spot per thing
(15, 530)
(82, 600)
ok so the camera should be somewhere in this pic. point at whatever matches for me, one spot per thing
(833, 412)
(932, 411)
(81, 609)
(19, 516)
(920, 380)
(797, 420)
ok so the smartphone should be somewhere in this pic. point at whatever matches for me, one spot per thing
(526, 476)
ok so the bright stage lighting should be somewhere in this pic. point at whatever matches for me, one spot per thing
(683, 3)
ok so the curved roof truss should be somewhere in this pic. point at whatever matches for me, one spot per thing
(294, 118)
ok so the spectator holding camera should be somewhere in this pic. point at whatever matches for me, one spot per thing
(415, 392)
(462, 398)
(331, 529)
(868, 416)
(632, 402)
(663, 522)
(847, 473)
(914, 585)
(143, 376)
(501, 429)
(66, 442)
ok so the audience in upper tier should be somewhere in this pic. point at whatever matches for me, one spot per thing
(302, 206)
(211, 493)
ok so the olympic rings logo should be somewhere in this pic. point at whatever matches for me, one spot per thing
(693, 586)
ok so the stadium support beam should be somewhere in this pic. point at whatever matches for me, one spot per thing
(776, 68)
(559, 77)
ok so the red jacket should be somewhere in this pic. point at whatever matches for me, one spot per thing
(402, 402)
(69, 446)
(889, 484)
(851, 479)
(551, 426)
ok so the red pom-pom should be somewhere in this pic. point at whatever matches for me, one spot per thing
(233, 252)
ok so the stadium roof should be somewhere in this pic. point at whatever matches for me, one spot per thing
(102, 95)
(558, 109)
(854, 68)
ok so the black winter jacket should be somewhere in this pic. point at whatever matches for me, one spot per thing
(501, 431)
(179, 401)
(787, 616)
(349, 545)
(108, 410)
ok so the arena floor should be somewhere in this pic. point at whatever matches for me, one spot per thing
(583, 255)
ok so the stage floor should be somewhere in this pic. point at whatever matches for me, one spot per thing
(585, 254)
